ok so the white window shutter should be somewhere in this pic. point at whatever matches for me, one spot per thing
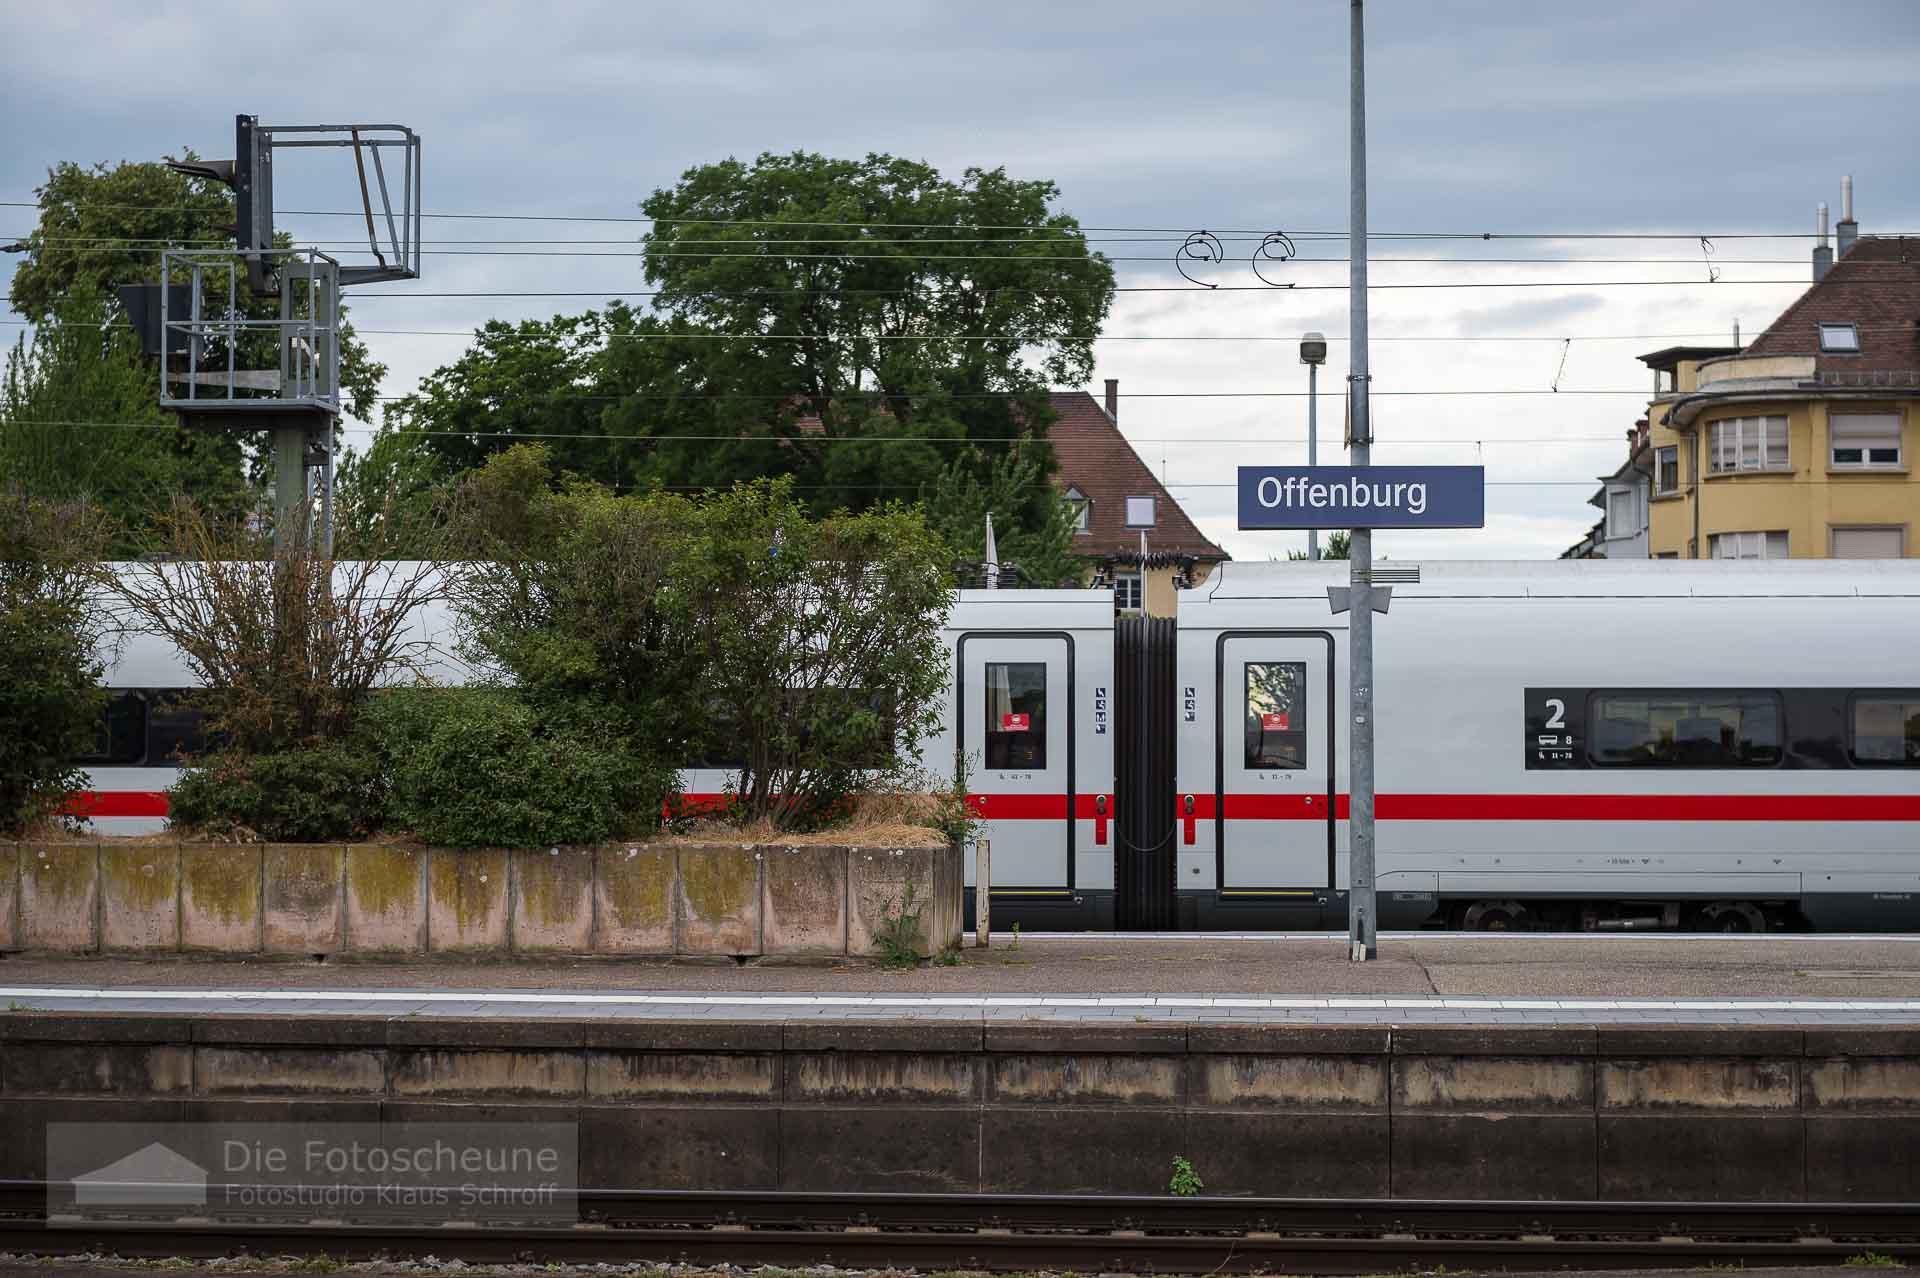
(1867, 543)
(1866, 430)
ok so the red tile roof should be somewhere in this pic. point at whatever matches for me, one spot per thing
(1096, 459)
(1875, 286)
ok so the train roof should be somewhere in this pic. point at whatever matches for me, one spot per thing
(1573, 578)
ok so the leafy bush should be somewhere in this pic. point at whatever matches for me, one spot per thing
(50, 701)
(314, 795)
(474, 767)
(803, 652)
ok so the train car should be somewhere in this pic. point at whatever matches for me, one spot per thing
(1710, 746)
(1030, 726)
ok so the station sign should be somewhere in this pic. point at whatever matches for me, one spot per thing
(1335, 497)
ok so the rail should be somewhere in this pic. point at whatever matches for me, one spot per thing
(1016, 1232)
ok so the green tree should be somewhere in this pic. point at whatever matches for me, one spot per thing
(1339, 546)
(857, 325)
(958, 501)
(50, 653)
(103, 226)
(74, 371)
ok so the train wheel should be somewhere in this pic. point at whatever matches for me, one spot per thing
(1497, 916)
(1730, 916)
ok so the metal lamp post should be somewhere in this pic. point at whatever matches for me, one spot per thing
(1313, 353)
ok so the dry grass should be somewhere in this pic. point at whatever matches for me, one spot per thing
(901, 819)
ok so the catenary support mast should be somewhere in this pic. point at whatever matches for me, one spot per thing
(1361, 913)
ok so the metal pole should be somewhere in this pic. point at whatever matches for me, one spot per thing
(1361, 915)
(326, 494)
(1313, 444)
(290, 487)
(983, 894)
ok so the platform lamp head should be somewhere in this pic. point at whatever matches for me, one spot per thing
(1313, 349)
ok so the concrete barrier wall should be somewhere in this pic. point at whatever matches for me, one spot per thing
(377, 899)
(1622, 1114)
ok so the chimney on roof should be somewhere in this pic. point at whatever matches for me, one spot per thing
(1822, 251)
(1113, 399)
(1847, 230)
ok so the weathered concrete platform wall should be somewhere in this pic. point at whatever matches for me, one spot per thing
(1694, 1113)
(641, 899)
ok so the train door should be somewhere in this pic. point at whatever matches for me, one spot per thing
(1015, 731)
(1274, 743)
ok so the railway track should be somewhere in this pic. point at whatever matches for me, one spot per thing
(1023, 1232)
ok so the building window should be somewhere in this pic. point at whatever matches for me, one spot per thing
(1016, 714)
(1748, 443)
(1686, 730)
(1082, 510)
(1276, 715)
(1621, 511)
(1126, 590)
(1666, 470)
(1839, 339)
(1886, 730)
(1870, 543)
(1865, 439)
(1748, 545)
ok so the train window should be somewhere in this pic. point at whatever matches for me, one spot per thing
(1276, 714)
(1016, 714)
(120, 739)
(1886, 730)
(1685, 730)
(176, 729)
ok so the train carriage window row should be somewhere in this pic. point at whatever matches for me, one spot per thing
(1721, 728)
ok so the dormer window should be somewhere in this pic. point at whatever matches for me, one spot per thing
(1839, 339)
(1082, 510)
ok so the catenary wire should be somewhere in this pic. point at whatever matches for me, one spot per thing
(501, 245)
(1075, 231)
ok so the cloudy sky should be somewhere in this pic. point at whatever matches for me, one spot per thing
(1722, 118)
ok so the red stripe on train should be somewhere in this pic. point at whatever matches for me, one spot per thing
(117, 803)
(1501, 807)
(1281, 807)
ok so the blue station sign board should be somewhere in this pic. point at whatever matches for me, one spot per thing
(1274, 497)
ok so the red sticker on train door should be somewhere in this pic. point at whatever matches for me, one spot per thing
(1015, 723)
(1273, 723)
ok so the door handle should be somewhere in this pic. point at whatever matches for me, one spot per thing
(1100, 820)
(1186, 816)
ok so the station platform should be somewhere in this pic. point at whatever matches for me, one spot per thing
(1420, 978)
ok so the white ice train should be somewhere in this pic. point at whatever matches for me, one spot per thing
(1714, 746)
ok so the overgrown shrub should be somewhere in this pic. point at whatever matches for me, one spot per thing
(476, 767)
(313, 795)
(803, 653)
(50, 700)
(287, 642)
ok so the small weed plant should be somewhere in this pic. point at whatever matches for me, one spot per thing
(1186, 1182)
(1873, 1260)
(948, 957)
(899, 936)
(1015, 943)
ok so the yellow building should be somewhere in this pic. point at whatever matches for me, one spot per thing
(1801, 444)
